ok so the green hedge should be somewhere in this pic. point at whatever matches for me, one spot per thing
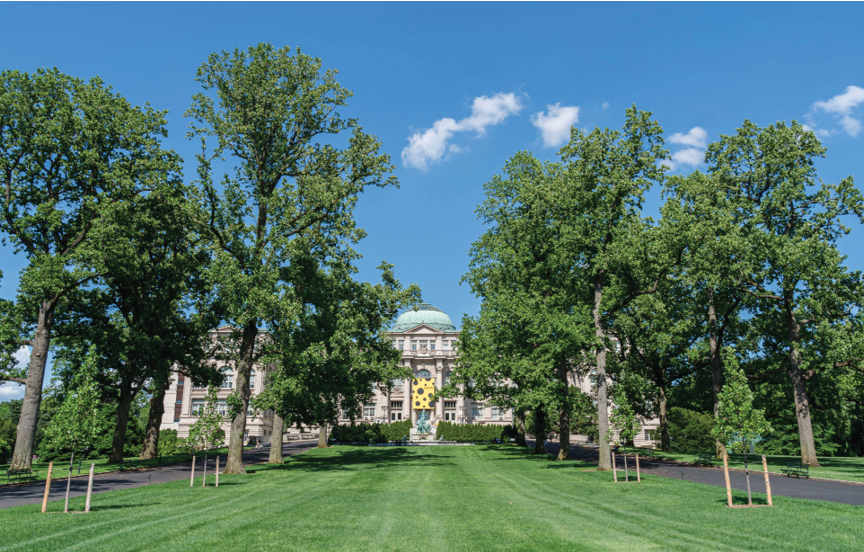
(371, 433)
(469, 433)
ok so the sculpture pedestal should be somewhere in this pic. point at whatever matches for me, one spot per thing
(416, 437)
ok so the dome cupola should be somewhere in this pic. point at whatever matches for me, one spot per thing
(424, 313)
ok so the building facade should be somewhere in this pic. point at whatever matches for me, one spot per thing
(426, 338)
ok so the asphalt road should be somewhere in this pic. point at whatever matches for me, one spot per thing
(19, 495)
(845, 493)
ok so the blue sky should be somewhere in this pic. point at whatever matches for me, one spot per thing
(453, 90)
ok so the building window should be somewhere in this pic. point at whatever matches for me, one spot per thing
(345, 415)
(228, 381)
(414, 345)
(424, 344)
(396, 404)
(396, 385)
(647, 435)
(477, 411)
(432, 345)
(445, 344)
(447, 378)
(222, 408)
(496, 413)
(369, 412)
(252, 380)
(400, 344)
(197, 406)
(424, 374)
(250, 413)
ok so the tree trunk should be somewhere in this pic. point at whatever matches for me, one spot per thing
(602, 402)
(154, 422)
(716, 368)
(276, 441)
(520, 428)
(322, 436)
(799, 385)
(234, 462)
(22, 458)
(564, 416)
(665, 441)
(539, 429)
(123, 405)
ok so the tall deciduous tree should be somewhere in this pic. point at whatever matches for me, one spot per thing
(530, 338)
(275, 115)
(70, 151)
(792, 221)
(607, 175)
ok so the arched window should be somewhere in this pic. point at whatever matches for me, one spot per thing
(424, 374)
(252, 380)
(228, 381)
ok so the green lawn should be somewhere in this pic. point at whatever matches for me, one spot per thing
(431, 498)
(61, 467)
(847, 469)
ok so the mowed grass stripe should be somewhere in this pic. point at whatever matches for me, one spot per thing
(435, 498)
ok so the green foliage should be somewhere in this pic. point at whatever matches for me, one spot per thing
(690, 431)
(623, 422)
(7, 438)
(75, 426)
(738, 425)
(472, 433)
(207, 431)
(371, 433)
(169, 442)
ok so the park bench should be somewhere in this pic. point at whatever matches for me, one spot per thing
(797, 469)
(18, 476)
(704, 459)
(126, 466)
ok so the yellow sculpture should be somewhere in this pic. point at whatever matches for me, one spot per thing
(423, 389)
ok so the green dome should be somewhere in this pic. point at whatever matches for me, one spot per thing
(424, 313)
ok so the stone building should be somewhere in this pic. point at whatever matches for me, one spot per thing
(426, 337)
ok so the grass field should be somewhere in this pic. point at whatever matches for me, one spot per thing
(61, 467)
(431, 498)
(846, 469)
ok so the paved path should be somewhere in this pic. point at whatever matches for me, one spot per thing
(831, 491)
(19, 495)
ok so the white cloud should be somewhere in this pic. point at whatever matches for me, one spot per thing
(819, 132)
(689, 156)
(696, 138)
(605, 106)
(842, 106)
(11, 391)
(22, 355)
(430, 145)
(555, 127)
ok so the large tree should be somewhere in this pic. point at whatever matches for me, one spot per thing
(70, 151)
(525, 347)
(792, 221)
(607, 175)
(273, 115)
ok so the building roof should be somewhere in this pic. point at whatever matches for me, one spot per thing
(424, 313)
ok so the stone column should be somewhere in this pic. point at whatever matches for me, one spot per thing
(439, 382)
(406, 401)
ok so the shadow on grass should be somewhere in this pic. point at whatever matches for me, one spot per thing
(347, 460)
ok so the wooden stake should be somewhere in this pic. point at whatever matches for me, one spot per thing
(192, 477)
(728, 485)
(638, 476)
(614, 467)
(217, 471)
(69, 484)
(47, 487)
(767, 483)
(204, 479)
(89, 489)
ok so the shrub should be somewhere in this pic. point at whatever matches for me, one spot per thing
(371, 433)
(167, 442)
(470, 433)
(690, 431)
